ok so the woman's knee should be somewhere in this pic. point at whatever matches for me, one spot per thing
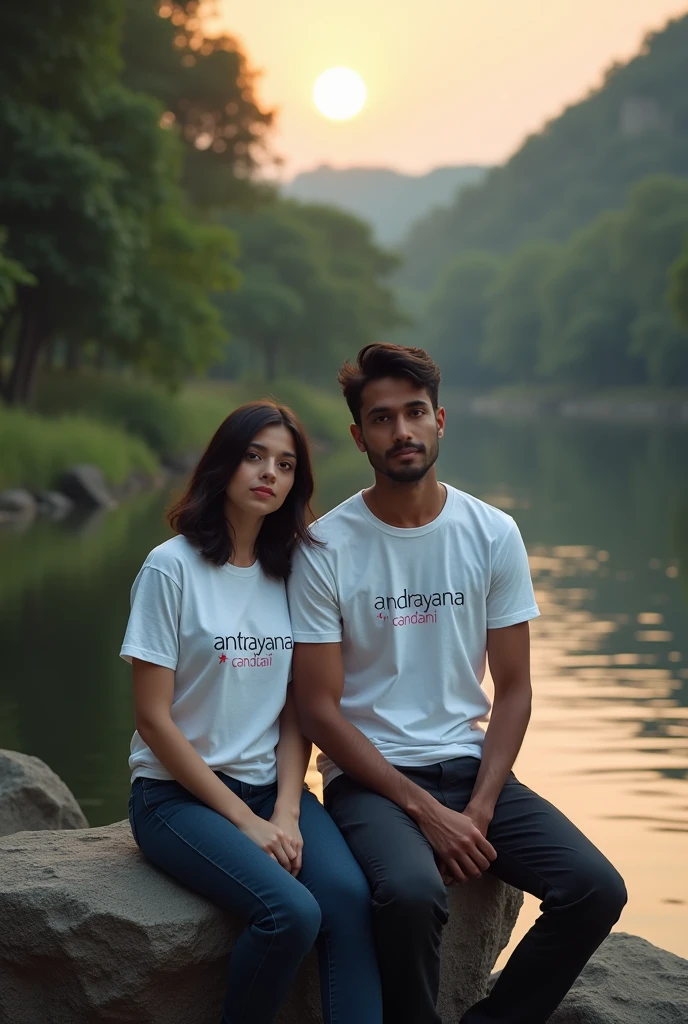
(297, 918)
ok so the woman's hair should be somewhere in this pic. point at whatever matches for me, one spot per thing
(199, 515)
(385, 360)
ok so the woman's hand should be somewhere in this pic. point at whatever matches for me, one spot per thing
(273, 839)
(288, 823)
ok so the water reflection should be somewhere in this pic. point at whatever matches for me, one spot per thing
(604, 512)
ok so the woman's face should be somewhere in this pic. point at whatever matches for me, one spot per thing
(265, 475)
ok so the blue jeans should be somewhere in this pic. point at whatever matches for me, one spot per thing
(328, 904)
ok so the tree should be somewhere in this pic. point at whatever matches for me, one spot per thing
(587, 311)
(208, 94)
(312, 290)
(86, 192)
(514, 329)
(456, 317)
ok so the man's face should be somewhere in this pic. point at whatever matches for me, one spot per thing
(399, 429)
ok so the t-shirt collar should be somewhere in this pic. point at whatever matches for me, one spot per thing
(412, 531)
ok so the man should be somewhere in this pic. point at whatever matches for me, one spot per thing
(415, 585)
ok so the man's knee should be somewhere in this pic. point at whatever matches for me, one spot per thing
(598, 891)
(411, 898)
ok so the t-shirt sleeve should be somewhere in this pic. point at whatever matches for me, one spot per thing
(153, 629)
(511, 598)
(313, 599)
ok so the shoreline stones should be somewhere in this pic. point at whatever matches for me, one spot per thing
(34, 798)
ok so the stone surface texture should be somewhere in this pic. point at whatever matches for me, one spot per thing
(92, 933)
(33, 797)
(628, 981)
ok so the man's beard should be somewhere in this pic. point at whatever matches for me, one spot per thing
(404, 474)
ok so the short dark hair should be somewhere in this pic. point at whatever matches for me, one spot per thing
(380, 360)
(199, 515)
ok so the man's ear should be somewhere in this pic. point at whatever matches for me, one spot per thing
(357, 435)
(439, 416)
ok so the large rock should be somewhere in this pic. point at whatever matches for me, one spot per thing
(17, 502)
(33, 797)
(54, 504)
(86, 487)
(628, 981)
(91, 934)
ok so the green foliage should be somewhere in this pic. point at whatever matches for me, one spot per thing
(456, 317)
(579, 165)
(207, 91)
(168, 424)
(312, 290)
(35, 450)
(12, 275)
(90, 198)
(592, 313)
(513, 327)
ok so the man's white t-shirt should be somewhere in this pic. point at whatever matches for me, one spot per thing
(225, 631)
(411, 608)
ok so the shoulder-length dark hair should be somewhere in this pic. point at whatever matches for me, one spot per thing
(199, 515)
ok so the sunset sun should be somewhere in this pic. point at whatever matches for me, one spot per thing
(339, 93)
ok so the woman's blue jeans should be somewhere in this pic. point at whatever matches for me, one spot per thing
(329, 904)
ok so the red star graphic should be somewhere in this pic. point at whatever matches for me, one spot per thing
(223, 659)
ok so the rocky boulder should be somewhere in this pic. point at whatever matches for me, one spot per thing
(17, 502)
(85, 485)
(92, 933)
(628, 981)
(33, 797)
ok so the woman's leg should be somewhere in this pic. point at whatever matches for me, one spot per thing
(207, 853)
(349, 977)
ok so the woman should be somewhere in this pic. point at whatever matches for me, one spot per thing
(218, 799)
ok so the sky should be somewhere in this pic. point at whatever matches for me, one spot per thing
(449, 81)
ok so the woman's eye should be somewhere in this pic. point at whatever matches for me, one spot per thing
(252, 455)
(286, 465)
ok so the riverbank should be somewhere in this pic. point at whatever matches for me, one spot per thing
(631, 405)
(132, 430)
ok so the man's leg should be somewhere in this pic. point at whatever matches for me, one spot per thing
(409, 897)
(540, 851)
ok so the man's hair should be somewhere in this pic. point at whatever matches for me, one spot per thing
(384, 360)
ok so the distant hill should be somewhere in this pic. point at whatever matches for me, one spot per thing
(578, 165)
(388, 200)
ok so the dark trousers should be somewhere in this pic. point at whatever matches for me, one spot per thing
(328, 904)
(538, 850)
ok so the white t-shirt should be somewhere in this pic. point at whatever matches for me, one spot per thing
(225, 631)
(411, 608)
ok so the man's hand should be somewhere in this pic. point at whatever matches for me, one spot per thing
(461, 848)
(288, 823)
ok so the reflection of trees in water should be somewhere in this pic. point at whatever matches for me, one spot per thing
(63, 610)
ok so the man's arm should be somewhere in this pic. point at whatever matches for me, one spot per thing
(508, 652)
(318, 682)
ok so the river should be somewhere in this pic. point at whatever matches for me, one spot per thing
(604, 513)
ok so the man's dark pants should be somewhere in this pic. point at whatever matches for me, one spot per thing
(538, 850)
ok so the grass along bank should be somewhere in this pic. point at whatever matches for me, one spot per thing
(124, 425)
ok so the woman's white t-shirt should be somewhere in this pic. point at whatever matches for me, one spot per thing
(225, 632)
(411, 609)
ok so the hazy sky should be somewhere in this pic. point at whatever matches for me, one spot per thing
(449, 81)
